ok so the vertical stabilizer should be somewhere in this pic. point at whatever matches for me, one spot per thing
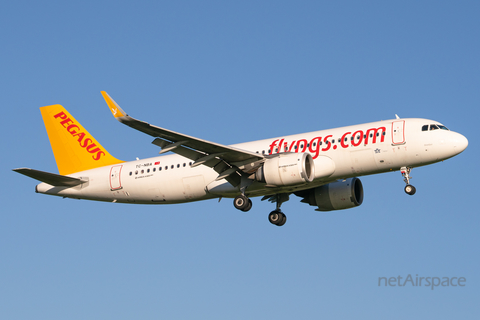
(73, 147)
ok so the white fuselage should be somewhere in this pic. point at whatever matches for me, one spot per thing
(352, 151)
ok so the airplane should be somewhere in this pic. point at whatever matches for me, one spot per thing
(321, 167)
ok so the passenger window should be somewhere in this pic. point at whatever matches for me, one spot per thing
(130, 172)
(148, 170)
(184, 164)
(136, 172)
(159, 168)
(172, 166)
(178, 165)
(166, 167)
(154, 169)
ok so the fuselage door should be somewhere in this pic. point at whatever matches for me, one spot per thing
(115, 182)
(398, 132)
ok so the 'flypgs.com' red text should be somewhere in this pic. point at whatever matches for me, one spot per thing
(314, 146)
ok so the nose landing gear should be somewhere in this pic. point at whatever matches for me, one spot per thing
(409, 189)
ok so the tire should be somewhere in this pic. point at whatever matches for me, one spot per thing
(284, 219)
(275, 217)
(248, 206)
(409, 189)
(241, 202)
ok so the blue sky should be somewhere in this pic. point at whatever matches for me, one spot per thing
(231, 72)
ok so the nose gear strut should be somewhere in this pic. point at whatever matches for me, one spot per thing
(409, 189)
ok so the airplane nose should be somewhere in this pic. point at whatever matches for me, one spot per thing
(460, 143)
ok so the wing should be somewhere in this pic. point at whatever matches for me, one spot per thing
(229, 162)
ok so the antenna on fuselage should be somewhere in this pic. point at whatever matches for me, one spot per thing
(396, 115)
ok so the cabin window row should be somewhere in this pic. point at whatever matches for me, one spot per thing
(154, 169)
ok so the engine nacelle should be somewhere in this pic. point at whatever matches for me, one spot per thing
(287, 169)
(334, 196)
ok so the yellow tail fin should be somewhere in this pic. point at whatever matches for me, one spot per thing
(73, 147)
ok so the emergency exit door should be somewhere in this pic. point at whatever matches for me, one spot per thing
(115, 182)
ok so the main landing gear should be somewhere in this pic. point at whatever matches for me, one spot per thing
(242, 203)
(409, 189)
(276, 217)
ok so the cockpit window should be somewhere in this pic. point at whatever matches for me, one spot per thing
(434, 127)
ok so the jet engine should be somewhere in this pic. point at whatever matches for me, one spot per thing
(337, 195)
(286, 169)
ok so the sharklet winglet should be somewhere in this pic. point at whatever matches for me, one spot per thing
(114, 107)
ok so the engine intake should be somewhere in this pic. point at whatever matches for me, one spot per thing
(334, 196)
(287, 169)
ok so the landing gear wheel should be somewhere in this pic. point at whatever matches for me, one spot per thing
(248, 207)
(409, 189)
(242, 203)
(277, 218)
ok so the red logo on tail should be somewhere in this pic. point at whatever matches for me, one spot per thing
(86, 143)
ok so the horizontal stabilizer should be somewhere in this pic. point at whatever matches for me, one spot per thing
(50, 178)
